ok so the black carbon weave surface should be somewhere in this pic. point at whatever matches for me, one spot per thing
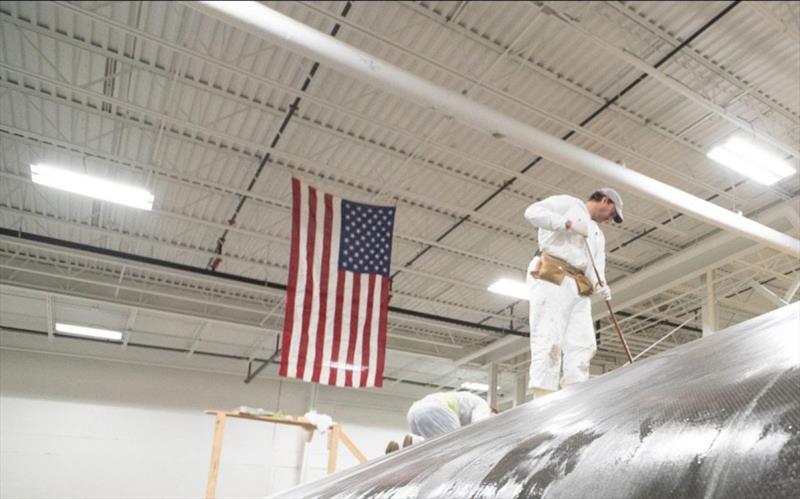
(717, 417)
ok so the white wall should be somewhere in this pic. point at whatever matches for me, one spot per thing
(76, 427)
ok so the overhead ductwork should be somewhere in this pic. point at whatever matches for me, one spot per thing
(275, 27)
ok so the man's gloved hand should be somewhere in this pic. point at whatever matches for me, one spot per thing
(603, 291)
(579, 227)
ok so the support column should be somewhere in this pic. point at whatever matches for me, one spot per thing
(710, 320)
(312, 403)
(312, 396)
(520, 387)
(492, 394)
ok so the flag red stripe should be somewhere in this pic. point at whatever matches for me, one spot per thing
(337, 328)
(351, 349)
(288, 320)
(384, 308)
(323, 286)
(308, 296)
(365, 335)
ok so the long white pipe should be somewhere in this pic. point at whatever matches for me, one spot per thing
(275, 27)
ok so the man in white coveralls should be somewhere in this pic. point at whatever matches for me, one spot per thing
(560, 281)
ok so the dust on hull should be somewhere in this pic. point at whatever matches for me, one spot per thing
(718, 417)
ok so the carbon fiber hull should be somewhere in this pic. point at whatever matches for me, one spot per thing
(718, 417)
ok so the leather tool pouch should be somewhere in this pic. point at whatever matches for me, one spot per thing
(552, 270)
(584, 285)
(549, 270)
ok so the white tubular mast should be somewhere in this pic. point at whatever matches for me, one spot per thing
(277, 28)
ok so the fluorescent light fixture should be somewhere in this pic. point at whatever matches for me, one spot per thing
(94, 187)
(476, 387)
(751, 160)
(91, 332)
(510, 287)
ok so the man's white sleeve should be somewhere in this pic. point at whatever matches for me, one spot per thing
(548, 213)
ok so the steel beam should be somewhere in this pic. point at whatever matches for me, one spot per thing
(268, 24)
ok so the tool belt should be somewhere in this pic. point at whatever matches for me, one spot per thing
(552, 269)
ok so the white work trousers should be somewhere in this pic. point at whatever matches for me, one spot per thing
(560, 324)
(430, 418)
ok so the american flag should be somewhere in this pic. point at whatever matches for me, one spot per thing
(337, 298)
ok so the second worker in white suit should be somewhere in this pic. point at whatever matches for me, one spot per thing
(560, 280)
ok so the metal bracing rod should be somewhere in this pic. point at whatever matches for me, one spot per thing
(792, 290)
(263, 236)
(788, 29)
(416, 201)
(255, 330)
(253, 374)
(398, 293)
(530, 65)
(105, 231)
(670, 82)
(159, 270)
(224, 278)
(329, 105)
(712, 252)
(327, 130)
(267, 23)
(766, 293)
(161, 294)
(204, 252)
(260, 235)
(219, 92)
(170, 349)
(118, 285)
(136, 309)
(428, 137)
(347, 22)
(659, 31)
(692, 291)
(199, 251)
(33, 139)
(42, 141)
(663, 338)
(195, 341)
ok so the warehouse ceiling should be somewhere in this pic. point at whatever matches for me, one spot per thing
(215, 122)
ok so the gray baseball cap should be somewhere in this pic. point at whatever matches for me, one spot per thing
(616, 199)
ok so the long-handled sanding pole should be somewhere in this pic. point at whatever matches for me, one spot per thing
(608, 304)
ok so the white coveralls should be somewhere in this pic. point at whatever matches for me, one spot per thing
(440, 413)
(561, 319)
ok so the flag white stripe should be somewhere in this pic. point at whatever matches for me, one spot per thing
(297, 323)
(333, 278)
(345, 339)
(373, 331)
(362, 318)
(313, 322)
